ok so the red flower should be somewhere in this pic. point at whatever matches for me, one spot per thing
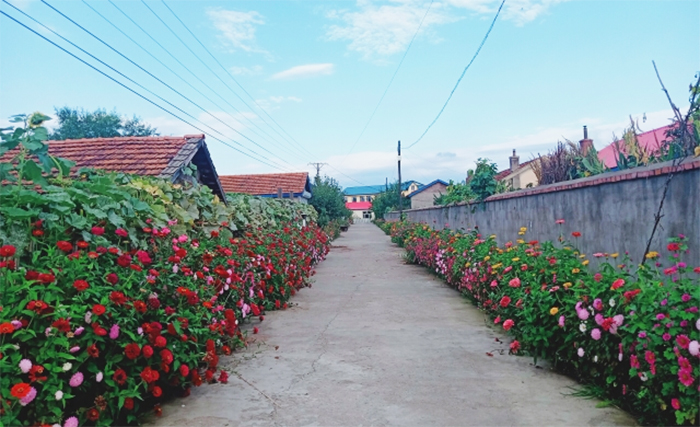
(508, 324)
(117, 297)
(167, 356)
(617, 284)
(64, 246)
(124, 260)
(62, 325)
(505, 301)
(93, 351)
(7, 251)
(149, 375)
(37, 233)
(576, 234)
(80, 285)
(514, 346)
(31, 275)
(673, 247)
(255, 330)
(160, 341)
(20, 390)
(99, 330)
(223, 377)
(46, 278)
(184, 370)
(140, 306)
(129, 403)
(143, 257)
(98, 309)
(255, 309)
(158, 410)
(98, 231)
(6, 328)
(132, 351)
(147, 351)
(119, 376)
(93, 414)
(82, 244)
(112, 278)
(157, 391)
(121, 232)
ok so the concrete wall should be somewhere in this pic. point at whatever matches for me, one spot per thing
(426, 197)
(614, 211)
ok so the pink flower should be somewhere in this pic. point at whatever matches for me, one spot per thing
(26, 400)
(559, 221)
(666, 336)
(598, 304)
(74, 349)
(598, 277)
(676, 404)
(508, 324)
(660, 316)
(694, 348)
(595, 334)
(685, 297)
(650, 357)
(494, 284)
(114, 331)
(121, 232)
(580, 352)
(76, 379)
(182, 239)
(618, 319)
(685, 376)
(71, 422)
(514, 283)
(634, 362)
(561, 321)
(79, 331)
(664, 301)
(582, 314)
(683, 341)
(642, 335)
(497, 320)
(599, 319)
(99, 377)
(25, 365)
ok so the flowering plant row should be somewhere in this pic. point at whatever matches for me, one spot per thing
(117, 292)
(630, 334)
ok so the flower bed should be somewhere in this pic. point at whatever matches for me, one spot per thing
(117, 292)
(631, 334)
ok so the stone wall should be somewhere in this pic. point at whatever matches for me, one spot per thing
(614, 212)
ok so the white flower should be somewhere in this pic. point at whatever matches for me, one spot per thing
(619, 357)
(88, 317)
(582, 327)
(643, 377)
(612, 302)
(595, 358)
(697, 325)
(67, 366)
(59, 395)
(99, 376)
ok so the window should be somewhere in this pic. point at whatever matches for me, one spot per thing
(354, 199)
(362, 198)
(367, 214)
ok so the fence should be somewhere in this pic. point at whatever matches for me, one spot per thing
(614, 212)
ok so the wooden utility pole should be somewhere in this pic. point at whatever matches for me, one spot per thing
(400, 204)
(318, 167)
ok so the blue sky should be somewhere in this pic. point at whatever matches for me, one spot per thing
(318, 68)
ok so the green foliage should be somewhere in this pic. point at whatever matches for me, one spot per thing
(76, 124)
(455, 193)
(327, 198)
(388, 201)
(483, 182)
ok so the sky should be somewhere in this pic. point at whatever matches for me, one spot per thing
(296, 82)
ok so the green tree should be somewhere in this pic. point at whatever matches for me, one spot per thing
(328, 201)
(76, 124)
(388, 201)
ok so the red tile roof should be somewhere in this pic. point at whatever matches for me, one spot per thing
(504, 173)
(266, 184)
(358, 206)
(140, 155)
(650, 141)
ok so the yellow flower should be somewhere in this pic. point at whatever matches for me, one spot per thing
(652, 255)
(585, 262)
(621, 266)
(520, 241)
(582, 256)
(615, 255)
(486, 258)
(697, 151)
(493, 236)
(521, 233)
(575, 270)
(566, 248)
(500, 251)
(567, 285)
(516, 259)
(496, 266)
(467, 264)
(553, 311)
(523, 229)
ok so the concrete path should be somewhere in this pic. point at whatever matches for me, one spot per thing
(379, 342)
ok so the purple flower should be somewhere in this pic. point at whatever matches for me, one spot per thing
(684, 323)
(663, 302)
(642, 335)
(618, 319)
(669, 325)
(79, 331)
(76, 379)
(595, 334)
(685, 297)
(692, 310)
(599, 319)
(660, 316)
(598, 304)
(71, 422)
(74, 349)
(114, 331)
(16, 324)
(666, 336)
(25, 365)
(561, 321)
(26, 400)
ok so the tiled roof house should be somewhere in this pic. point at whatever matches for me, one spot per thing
(269, 185)
(160, 156)
(650, 141)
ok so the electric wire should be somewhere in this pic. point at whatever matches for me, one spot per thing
(135, 92)
(460, 77)
(229, 74)
(161, 81)
(392, 78)
(165, 66)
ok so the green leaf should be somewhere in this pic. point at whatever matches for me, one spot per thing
(13, 212)
(31, 171)
(32, 144)
(603, 404)
(115, 219)
(41, 134)
(76, 221)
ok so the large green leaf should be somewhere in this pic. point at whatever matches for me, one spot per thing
(76, 221)
(14, 212)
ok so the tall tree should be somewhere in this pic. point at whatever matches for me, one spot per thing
(76, 124)
(328, 200)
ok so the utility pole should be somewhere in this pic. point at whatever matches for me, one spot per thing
(400, 207)
(318, 167)
(386, 184)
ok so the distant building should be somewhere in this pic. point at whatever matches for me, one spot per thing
(295, 185)
(424, 196)
(359, 199)
(650, 141)
(518, 175)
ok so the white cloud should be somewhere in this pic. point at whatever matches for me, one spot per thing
(520, 11)
(386, 29)
(237, 29)
(302, 71)
(246, 71)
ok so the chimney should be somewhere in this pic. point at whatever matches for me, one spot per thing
(585, 143)
(514, 162)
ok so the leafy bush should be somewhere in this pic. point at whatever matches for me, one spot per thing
(329, 202)
(631, 335)
(118, 291)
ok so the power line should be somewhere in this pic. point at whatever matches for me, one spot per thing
(462, 76)
(392, 78)
(164, 65)
(133, 91)
(159, 80)
(234, 80)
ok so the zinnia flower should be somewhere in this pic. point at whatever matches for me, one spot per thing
(595, 334)
(25, 365)
(561, 321)
(59, 395)
(514, 283)
(580, 352)
(76, 379)
(553, 311)
(685, 376)
(582, 327)
(20, 390)
(683, 341)
(67, 366)
(26, 400)
(676, 404)
(71, 422)
(694, 348)
(114, 331)
(99, 377)
(508, 324)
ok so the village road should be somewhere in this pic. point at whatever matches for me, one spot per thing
(379, 342)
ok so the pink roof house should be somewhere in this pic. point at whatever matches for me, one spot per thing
(650, 141)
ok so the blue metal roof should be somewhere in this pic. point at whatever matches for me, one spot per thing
(426, 186)
(363, 190)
